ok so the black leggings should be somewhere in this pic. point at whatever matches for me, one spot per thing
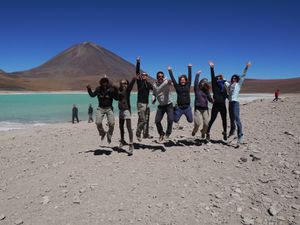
(218, 107)
(128, 124)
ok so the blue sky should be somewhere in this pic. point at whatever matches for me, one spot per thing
(162, 32)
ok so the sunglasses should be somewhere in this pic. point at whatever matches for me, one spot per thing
(124, 83)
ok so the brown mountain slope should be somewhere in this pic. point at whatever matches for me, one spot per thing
(71, 70)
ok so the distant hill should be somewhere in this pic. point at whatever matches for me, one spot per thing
(86, 63)
(72, 69)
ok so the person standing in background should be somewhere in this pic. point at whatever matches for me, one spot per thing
(276, 95)
(90, 113)
(75, 114)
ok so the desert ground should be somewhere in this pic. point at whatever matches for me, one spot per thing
(63, 174)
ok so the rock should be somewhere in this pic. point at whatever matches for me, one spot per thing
(239, 209)
(273, 210)
(243, 159)
(247, 221)
(237, 190)
(76, 199)
(19, 222)
(297, 207)
(289, 133)
(296, 172)
(2, 217)
(46, 200)
(254, 158)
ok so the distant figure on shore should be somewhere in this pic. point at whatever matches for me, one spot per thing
(90, 113)
(75, 114)
(143, 87)
(161, 92)
(276, 94)
(125, 112)
(202, 97)
(234, 88)
(183, 95)
(105, 93)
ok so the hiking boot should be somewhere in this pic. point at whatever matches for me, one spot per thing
(102, 135)
(208, 137)
(224, 136)
(139, 138)
(161, 138)
(240, 140)
(122, 143)
(108, 136)
(202, 136)
(130, 150)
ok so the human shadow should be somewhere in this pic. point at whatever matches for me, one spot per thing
(185, 142)
(219, 142)
(151, 147)
(99, 152)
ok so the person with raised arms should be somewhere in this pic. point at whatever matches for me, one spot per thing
(161, 92)
(183, 95)
(234, 88)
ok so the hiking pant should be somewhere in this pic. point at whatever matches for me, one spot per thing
(75, 117)
(218, 107)
(101, 113)
(179, 111)
(234, 114)
(201, 115)
(143, 120)
(90, 118)
(161, 110)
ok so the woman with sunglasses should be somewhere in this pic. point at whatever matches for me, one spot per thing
(183, 95)
(202, 97)
(161, 92)
(234, 88)
(125, 112)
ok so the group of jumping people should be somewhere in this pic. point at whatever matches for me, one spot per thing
(162, 92)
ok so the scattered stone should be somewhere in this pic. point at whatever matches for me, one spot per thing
(273, 210)
(76, 199)
(297, 207)
(247, 221)
(237, 190)
(19, 222)
(296, 172)
(254, 158)
(2, 217)
(289, 133)
(82, 190)
(239, 209)
(243, 159)
(46, 200)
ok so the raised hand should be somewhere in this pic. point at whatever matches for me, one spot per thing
(88, 86)
(211, 64)
(138, 58)
(248, 64)
(199, 72)
(190, 65)
(169, 68)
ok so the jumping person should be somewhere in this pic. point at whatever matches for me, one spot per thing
(234, 88)
(90, 113)
(183, 95)
(219, 96)
(143, 87)
(202, 97)
(75, 114)
(125, 112)
(105, 93)
(161, 91)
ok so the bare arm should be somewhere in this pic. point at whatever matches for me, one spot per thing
(244, 73)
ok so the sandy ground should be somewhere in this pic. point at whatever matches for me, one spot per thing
(63, 174)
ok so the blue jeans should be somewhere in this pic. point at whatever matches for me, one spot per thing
(187, 111)
(234, 113)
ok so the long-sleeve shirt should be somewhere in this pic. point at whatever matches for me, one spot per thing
(219, 95)
(201, 97)
(162, 93)
(235, 88)
(183, 91)
(124, 97)
(105, 96)
(143, 87)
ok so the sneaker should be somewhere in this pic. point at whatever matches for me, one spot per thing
(130, 150)
(208, 137)
(161, 138)
(139, 138)
(122, 143)
(167, 137)
(240, 140)
(108, 136)
(224, 136)
(103, 135)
